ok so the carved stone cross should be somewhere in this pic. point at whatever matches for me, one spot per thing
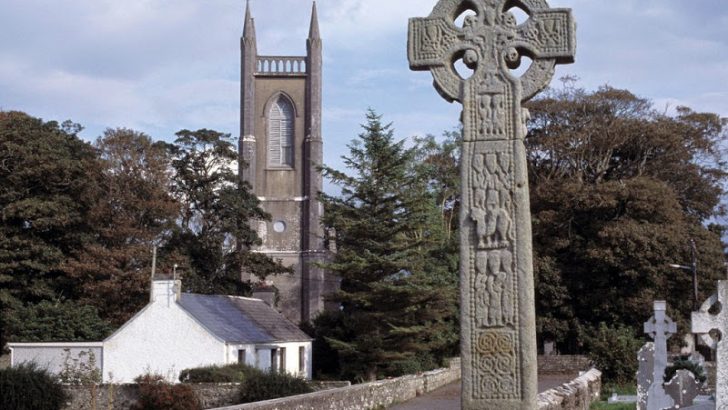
(703, 322)
(497, 297)
(683, 388)
(645, 373)
(660, 327)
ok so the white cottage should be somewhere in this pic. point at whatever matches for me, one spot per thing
(177, 331)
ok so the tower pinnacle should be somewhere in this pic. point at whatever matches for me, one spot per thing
(313, 32)
(249, 25)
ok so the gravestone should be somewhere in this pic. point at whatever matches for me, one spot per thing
(682, 388)
(497, 298)
(549, 348)
(645, 374)
(703, 322)
(660, 327)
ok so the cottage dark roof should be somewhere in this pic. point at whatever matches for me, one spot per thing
(241, 320)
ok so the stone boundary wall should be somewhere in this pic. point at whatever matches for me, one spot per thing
(575, 395)
(578, 394)
(123, 396)
(563, 364)
(363, 396)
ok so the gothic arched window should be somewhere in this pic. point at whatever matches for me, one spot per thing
(280, 133)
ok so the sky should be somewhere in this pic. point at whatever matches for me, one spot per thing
(159, 66)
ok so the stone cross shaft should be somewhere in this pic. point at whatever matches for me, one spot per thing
(659, 327)
(497, 297)
(703, 322)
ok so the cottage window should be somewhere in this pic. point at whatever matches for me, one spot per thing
(302, 360)
(283, 360)
(280, 133)
(241, 356)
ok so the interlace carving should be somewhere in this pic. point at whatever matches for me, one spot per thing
(498, 322)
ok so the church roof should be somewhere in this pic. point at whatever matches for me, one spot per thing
(241, 320)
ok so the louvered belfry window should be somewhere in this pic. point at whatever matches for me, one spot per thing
(280, 133)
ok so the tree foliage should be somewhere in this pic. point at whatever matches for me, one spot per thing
(48, 186)
(135, 212)
(48, 321)
(397, 298)
(214, 237)
(78, 223)
(617, 191)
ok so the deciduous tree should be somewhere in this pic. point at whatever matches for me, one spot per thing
(48, 187)
(618, 190)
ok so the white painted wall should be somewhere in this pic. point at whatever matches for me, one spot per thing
(55, 357)
(161, 339)
(259, 356)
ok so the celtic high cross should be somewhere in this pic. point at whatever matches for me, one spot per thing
(497, 297)
(705, 321)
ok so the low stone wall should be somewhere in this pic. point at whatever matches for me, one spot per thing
(363, 396)
(320, 385)
(123, 396)
(575, 395)
(578, 394)
(563, 364)
(108, 396)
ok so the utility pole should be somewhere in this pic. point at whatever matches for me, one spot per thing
(694, 267)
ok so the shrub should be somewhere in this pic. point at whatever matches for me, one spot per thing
(80, 371)
(65, 321)
(233, 373)
(684, 362)
(28, 387)
(413, 365)
(156, 394)
(614, 352)
(267, 386)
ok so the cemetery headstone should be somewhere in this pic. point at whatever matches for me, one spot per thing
(683, 389)
(703, 322)
(646, 364)
(549, 348)
(498, 314)
(660, 327)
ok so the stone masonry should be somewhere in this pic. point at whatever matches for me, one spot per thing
(703, 322)
(497, 299)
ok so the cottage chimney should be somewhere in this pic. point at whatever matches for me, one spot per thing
(166, 291)
(267, 295)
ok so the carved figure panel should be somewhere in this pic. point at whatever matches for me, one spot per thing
(494, 289)
(491, 201)
(498, 320)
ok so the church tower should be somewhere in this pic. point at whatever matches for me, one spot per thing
(280, 141)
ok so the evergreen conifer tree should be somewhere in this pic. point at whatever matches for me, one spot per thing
(397, 300)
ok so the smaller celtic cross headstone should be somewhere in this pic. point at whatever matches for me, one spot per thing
(646, 364)
(703, 322)
(683, 388)
(660, 327)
